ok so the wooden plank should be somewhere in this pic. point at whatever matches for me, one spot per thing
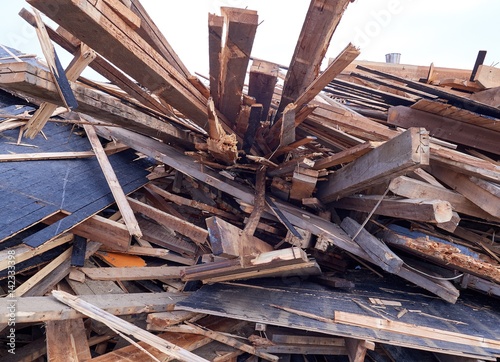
(303, 183)
(445, 128)
(189, 342)
(424, 210)
(35, 82)
(444, 254)
(183, 227)
(79, 250)
(415, 189)
(215, 27)
(412, 330)
(379, 253)
(408, 151)
(101, 28)
(56, 70)
(482, 193)
(24, 252)
(67, 341)
(223, 338)
(336, 66)
(258, 210)
(119, 324)
(134, 273)
(125, 13)
(240, 28)
(490, 97)
(254, 118)
(346, 156)
(221, 145)
(488, 76)
(320, 22)
(261, 82)
(161, 321)
(287, 134)
(229, 241)
(46, 308)
(83, 57)
(356, 349)
(113, 183)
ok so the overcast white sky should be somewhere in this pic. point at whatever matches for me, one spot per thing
(446, 32)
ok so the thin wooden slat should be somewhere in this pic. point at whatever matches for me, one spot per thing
(114, 184)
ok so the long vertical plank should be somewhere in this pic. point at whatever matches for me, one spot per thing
(114, 184)
(261, 82)
(321, 21)
(215, 26)
(241, 26)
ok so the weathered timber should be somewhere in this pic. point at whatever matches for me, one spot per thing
(321, 20)
(241, 26)
(445, 128)
(262, 80)
(406, 152)
(100, 28)
(67, 341)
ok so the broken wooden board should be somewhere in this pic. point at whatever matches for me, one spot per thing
(424, 210)
(446, 128)
(240, 28)
(41, 309)
(227, 240)
(406, 152)
(100, 28)
(319, 25)
(228, 300)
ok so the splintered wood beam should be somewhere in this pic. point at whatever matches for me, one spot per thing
(262, 80)
(130, 329)
(183, 227)
(488, 76)
(161, 321)
(67, 341)
(445, 128)
(415, 189)
(55, 67)
(125, 13)
(287, 134)
(404, 153)
(442, 253)
(303, 183)
(100, 65)
(104, 31)
(112, 234)
(356, 349)
(484, 194)
(230, 241)
(413, 330)
(254, 120)
(179, 200)
(337, 65)
(320, 22)
(258, 210)
(134, 273)
(42, 309)
(223, 338)
(346, 156)
(153, 35)
(240, 28)
(424, 210)
(221, 145)
(113, 183)
(215, 27)
(379, 253)
(83, 57)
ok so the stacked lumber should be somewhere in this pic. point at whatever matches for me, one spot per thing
(269, 213)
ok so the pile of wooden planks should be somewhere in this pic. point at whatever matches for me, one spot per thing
(277, 213)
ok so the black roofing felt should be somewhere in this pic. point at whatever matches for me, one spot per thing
(33, 190)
